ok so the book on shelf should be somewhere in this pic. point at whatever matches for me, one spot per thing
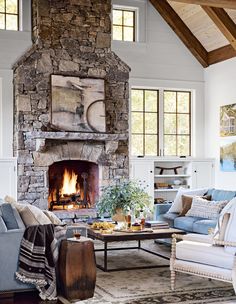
(157, 224)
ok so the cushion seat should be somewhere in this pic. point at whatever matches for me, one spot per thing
(185, 222)
(209, 254)
(202, 226)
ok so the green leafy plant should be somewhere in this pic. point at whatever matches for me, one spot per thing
(126, 195)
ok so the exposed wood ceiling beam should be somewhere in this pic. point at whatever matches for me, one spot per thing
(221, 54)
(183, 32)
(224, 23)
(214, 3)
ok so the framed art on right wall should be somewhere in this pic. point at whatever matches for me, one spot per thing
(228, 138)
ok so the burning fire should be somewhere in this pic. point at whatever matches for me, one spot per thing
(69, 183)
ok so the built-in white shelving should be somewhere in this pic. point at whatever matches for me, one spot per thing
(172, 175)
(166, 190)
(193, 173)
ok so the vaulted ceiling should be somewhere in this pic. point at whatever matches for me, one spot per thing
(206, 27)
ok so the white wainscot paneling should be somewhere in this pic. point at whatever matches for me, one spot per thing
(8, 177)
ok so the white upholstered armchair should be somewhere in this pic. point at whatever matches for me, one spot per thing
(210, 256)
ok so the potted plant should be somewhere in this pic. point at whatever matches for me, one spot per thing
(123, 196)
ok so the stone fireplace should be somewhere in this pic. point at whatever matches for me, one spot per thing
(70, 38)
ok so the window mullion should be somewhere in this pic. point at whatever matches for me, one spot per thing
(177, 124)
(5, 14)
(161, 123)
(144, 133)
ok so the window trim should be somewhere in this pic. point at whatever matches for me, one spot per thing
(161, 118)
(12, 14)
(136, 21)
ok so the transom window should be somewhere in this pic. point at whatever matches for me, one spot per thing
(9, 15)
(123, 27)
(160, 122)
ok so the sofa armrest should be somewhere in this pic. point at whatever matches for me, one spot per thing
(9, 252)
(194, 237)
(224, 243)
(160, 209)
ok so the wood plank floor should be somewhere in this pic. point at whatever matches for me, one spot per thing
(26, 298)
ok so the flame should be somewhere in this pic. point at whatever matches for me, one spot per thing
(70, 206)
(69, 182)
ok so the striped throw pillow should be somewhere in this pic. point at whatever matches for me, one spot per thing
(206, 209)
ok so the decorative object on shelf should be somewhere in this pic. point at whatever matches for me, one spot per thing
(126, 195)
(177, 182)
(78, 104)
(166, 168)
(159, 200)
(161, 185)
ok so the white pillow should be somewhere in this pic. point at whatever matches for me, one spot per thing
(32, 215)
(52, 217)
(206, 209)
(177, 203)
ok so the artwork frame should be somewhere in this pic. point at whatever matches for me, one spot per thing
(77, 104)
(228, 120)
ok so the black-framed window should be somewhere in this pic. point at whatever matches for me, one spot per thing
(144, 121)
(160, 122)
(9, 15)
(177, 123)
(123, 24)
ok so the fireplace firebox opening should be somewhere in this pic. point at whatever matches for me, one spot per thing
(73, 184)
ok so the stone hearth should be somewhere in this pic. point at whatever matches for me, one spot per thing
(71, 38)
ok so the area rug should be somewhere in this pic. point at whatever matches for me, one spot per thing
(148, 286)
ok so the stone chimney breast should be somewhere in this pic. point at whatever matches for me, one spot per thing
(70, 38)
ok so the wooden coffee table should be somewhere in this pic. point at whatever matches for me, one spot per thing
(131, 236)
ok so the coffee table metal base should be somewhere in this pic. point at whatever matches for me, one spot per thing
(105, 268)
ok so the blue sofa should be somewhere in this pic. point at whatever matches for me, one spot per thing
(188, 223)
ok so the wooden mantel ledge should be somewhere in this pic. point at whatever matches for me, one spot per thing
(42, 136)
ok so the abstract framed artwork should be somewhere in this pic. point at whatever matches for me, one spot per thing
(77, 104)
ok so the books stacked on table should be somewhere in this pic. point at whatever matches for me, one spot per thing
(157, 224)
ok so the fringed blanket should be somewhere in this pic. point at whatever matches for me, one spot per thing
(38, 258)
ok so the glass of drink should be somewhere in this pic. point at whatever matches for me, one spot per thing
(142, 223)
(128, 221)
